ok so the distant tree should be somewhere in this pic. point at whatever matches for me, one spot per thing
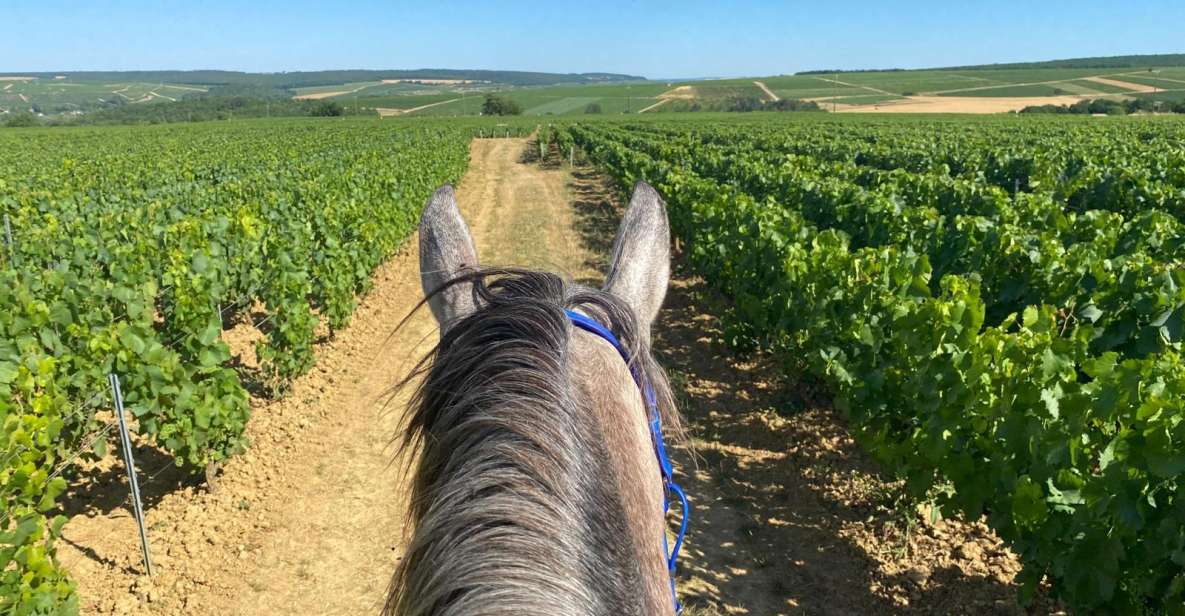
(327, 109)
(592, 108)
(500, 106)
(791, 104)
(1046, 109)
(20, 120)
(742, 103)
(1098, 106)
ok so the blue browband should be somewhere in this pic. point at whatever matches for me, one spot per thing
(664, 463)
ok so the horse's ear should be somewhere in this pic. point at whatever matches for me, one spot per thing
(446, 250)
(641, 265)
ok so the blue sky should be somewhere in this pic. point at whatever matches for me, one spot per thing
(654, 39)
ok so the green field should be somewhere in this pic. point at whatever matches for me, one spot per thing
(84, 92)
(65, 96)
(1156, 80)
(560, 100)
(986, 82)
(863, 99)
(867, 88)
(404, 101)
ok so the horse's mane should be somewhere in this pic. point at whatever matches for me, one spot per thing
(512, 509)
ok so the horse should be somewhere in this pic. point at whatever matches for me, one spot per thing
(539, 485)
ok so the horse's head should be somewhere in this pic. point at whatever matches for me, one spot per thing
(537, 490)
(638, 272)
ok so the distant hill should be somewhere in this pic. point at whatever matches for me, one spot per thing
(305, 79)
(1141, 61)
(1106, 62)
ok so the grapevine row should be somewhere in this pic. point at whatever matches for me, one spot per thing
(1073, 448)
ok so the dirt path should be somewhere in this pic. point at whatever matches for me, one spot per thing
(1133, 87)
(660, 103)
(385, 111)
(309, 521)
(1096, 78)
(770, 93)
(789, 516)
(856, 85)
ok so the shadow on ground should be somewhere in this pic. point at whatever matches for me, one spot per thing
(102, 487)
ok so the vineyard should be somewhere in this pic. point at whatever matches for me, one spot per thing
(998, 306)
(130, 252)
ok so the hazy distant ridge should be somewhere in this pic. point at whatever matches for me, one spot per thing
(1137, 61)
(304, 79)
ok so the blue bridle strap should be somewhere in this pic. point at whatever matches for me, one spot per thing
(660, 451)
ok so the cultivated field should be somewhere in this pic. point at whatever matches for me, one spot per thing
(65, 96)
(929, 364)
(975, 91)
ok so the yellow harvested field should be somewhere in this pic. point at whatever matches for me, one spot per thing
(1134, 87)
(320, 95)
(679, 92)
(959, 104)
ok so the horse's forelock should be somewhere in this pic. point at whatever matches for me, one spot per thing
(508, 510)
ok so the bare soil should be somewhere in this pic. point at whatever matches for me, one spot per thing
(1134, 87)
(789, 515)
(961, 104)
(680, 92)
(320, 95)
(770, 93)
(316, 96)
(660, 103)
(385, 111)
